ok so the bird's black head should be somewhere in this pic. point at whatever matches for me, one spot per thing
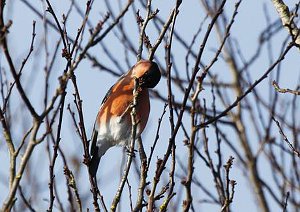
(148, 73)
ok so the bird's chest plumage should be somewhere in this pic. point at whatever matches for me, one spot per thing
(114, 119)
(116, 130)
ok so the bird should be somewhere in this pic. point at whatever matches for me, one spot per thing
(113, 123)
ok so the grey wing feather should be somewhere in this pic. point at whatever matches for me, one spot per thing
(94, 148)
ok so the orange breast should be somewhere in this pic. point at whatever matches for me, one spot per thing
(143, 109)
(119, 100)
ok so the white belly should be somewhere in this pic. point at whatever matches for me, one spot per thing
(117, 132)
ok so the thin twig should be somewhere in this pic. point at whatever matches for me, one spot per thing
(249, 90)
(286, 201)
(284, 90)
(295, 151)
(131, 147)
(72, 183)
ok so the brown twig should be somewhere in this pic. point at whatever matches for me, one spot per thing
(249, 90)
(143, 177)
(26, 202)
(228, 183)
(191, 143)
(131, 147)
(54, 155)
(295, 151)
(170, 20)
(13, 70)
(284, 90)
(171, 192)
(72, 183)
(287, 20)
(143, 24)
(286, 201)
(161, 165)
(123, 12)
(80, 128)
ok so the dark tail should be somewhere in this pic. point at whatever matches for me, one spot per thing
(94, 165)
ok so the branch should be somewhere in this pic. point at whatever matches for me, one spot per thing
(72, 183)
(287, 20)
(232, 183)
(8, 203)
(249, 90)
(97, 40)
(284, 90)
(3, 43)
(144, 24)
(131, 147)
(295, 151)
(170, 20)
(143, 177)
(161, 163)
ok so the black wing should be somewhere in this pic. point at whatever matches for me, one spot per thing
(93, 166)
(94, 149)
